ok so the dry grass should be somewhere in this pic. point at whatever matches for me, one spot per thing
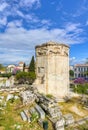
(73, 107)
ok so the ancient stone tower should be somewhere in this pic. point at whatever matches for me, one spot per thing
(52, 69)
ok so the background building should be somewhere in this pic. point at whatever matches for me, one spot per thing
(21, 66)
(80, 70)
(10, 68)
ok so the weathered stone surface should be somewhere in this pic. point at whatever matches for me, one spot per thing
(68, 119)
(23, 116)
(40, 121)
(27, 97)
(51, 107)
(5, 82)
(47, 102)
(59, 125)
(32, 110)
(40, 111)
(10, 96)
(52, 69)
(27, 115)
(54, 112)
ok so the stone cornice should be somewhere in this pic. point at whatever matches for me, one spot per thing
(51, 44)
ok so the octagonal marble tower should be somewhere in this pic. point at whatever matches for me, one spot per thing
(52, 69)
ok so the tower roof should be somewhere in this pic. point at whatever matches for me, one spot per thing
(52, 44)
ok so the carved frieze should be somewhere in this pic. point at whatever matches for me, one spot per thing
(57, 49)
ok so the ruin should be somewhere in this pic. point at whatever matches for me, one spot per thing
(52, 69)
(27, 97)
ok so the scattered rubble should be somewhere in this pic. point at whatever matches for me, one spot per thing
(40, 111)
(27, 115)
(59, 125)
(40, 121)
(84, 102)
(10, 96)
(44, 106)
(68, 119)
(32, 110)
(51, 107)
(27, 97)
(23, 116)
(54, 112)
(16, 97)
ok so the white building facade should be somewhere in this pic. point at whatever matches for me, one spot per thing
(80, 70)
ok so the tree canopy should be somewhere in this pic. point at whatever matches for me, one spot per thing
(25, 77)
(2, 67)
(71, 73)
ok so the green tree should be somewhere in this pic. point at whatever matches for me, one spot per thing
(24, 66)
(71, 73)
(86, 73)
(32, 65)
(2, 67)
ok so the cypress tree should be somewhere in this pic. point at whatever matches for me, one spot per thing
(32, 65)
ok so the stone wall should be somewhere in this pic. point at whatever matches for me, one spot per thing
(5, 82)
(52, 69)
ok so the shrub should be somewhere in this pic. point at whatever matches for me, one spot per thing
(79, 81)
(25, 77)
(49, 96)
(81, 88)
(8, 75)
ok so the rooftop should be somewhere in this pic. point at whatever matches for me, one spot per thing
(51, 43)
(21, 62)
(81, 65)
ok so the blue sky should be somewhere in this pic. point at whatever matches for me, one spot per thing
(26, 23)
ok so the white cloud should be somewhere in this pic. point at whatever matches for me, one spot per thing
(18, 41)
(59, 5)
(30, 3)
(21, 10)
(13, 56)
(27, 39)
(3, 6)
(46, 22)
(15, 8)
(3, 21)
(18, 23)
(87, 22)
(73, 60)
(18, 38)
(14, 23)
(82, 9)
(19, 13)
(73, 26)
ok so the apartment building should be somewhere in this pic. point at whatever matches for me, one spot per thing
(80, 70)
